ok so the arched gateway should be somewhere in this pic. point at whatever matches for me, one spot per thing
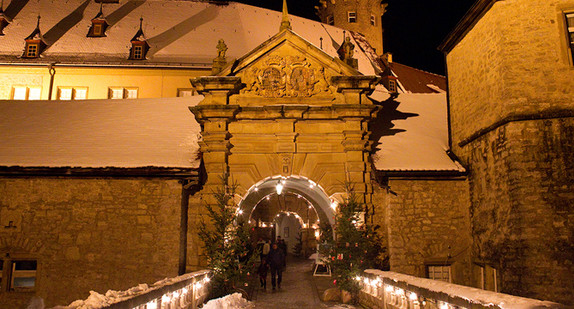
(289, 110)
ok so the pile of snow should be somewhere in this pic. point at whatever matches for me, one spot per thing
(235, 301)
(97, 300)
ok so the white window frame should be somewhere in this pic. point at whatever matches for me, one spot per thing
(123, 93)
(75, 93)
(32, 50)
(29, 92)
(352, 16)
(185, 92)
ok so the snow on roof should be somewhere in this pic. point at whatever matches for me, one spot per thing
(99, 133)
(180, 33)
(412, 133)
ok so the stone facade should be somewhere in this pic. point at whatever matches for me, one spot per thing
(89, 233)
(511, 106)
(367, 21)
(429, 225)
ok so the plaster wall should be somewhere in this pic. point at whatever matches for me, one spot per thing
(151, 83)
(89, 234)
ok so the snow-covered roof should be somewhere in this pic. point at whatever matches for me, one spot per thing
(412, 132)
(163, 133)
(180, 33)
(99, 133)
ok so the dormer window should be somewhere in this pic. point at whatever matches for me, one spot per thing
(35, 43)
(32, 50)
(99, 25)
(139, 45)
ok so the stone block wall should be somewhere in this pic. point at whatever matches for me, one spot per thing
(428, 222)
(89, 234)
(514, 61)
(522, 184)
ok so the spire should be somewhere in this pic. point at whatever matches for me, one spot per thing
(285, 24)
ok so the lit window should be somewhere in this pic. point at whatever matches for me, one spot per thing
(123, 93)
(64, 93)
(131, 93)
(184, 92)
(441, 273)
(373, 23)
(26, 93)
(570, 28)
(330, 20)
(352, 17)
(32, 50)
(72, 93)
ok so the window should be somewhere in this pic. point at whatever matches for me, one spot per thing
(570, 30)
(330, 20)
(436, 272)
(18, 274)
(32, 50)
(138, 52)
(184, 92)
(97, 29)
(352, 17)
(488, 277)
(373, 23)
(392, 86)
(26, 93)
(72, 93)
(123, 93)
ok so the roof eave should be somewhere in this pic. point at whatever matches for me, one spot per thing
(421, 173)
(464, 26)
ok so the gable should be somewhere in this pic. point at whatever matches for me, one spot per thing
(287, 66)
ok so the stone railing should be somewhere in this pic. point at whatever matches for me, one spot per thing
(390, 290)
(187, 291)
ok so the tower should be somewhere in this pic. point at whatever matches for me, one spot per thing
(362, 16)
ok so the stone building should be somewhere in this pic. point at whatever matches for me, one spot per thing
(510, 77)
(106, 194)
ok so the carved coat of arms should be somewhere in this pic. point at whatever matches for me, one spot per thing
(285, 76)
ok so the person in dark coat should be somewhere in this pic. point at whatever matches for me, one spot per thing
(262, 272)
(276, 261)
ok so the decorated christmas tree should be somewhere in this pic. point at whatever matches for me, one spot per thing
(355, 247)
(226, 244)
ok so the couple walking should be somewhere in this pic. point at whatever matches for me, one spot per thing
(274, 261)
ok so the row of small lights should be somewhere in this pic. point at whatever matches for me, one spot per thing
(398, 291)
(169, 297)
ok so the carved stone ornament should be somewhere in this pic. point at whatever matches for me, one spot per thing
(289, 76)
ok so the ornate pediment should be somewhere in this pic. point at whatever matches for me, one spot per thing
(285, 76)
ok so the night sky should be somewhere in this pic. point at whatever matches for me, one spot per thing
(413, 29)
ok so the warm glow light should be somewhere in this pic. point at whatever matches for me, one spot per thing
(240, 211)
(388, 288)
(304, 225)
(279, 188)
(263, 224)
(334, 205)
(184, 291)
(256, 189)
(317, 233)
(206, 279)
(413, 296)
(358, 278)
(400, 292)
(165, 299)
(310, 206)
(175, 294)
(444, 306)
(366, 281)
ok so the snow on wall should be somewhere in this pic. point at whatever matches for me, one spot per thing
(99, 133)
(474, 295)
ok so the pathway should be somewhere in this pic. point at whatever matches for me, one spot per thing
(299, 289)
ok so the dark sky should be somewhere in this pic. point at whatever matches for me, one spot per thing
(413, 29)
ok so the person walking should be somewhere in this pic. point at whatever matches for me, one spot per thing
(262, 272)
(265, 251)
(276, 261)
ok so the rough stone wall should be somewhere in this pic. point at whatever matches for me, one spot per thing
(514, 64)
(514, 60)
(89, 234)
(428, 222)
(522, 183)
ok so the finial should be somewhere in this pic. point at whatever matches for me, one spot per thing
(38, 23)
(101, 5)
(285, 24)
(141, 21)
